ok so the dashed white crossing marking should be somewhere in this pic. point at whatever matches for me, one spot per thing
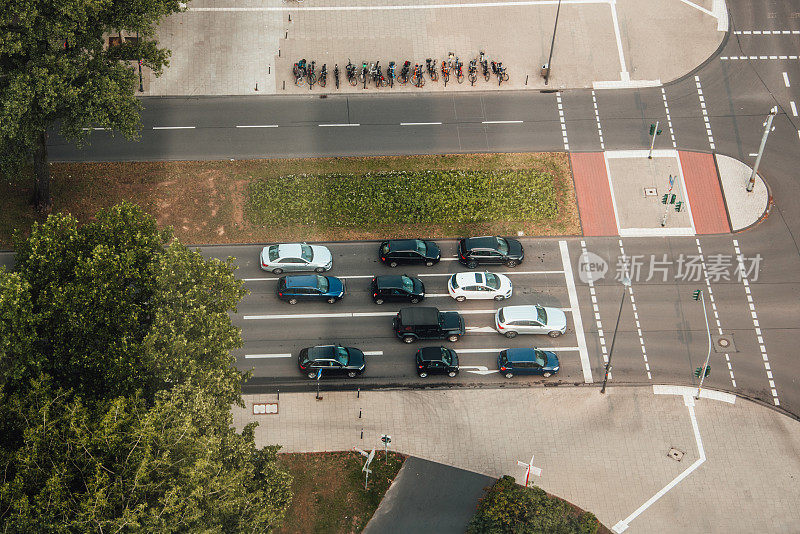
(714, 307)
(759, 57)
(786, 79)
(563, 122)
(597, 118)
(756, 323)
(635, 311)
(669, 119)
(767, 32)
(705, 112)
(794, 108)
(576, 313)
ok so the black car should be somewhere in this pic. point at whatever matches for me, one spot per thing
(437, 360)
(411, 324)
(409, 252)
(474, 251)
(310, 287)
(332, 360)
(397, 289)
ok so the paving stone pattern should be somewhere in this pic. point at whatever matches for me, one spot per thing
(607, 454)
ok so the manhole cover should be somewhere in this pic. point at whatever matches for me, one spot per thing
(675, 454)
(723, 343)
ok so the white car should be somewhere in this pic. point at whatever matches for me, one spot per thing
(296, 257)
(513, 320)
(480, 285)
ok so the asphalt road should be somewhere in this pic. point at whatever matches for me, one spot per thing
(662, 340)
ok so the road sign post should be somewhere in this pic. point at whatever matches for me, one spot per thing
(529, 468)
(319, 375)
(767, 128)
(386, 439)
(366, 470)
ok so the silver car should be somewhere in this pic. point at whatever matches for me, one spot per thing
(292, 257)
(513, 320)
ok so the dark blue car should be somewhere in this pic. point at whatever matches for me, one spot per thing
(293, 289)
(527, 362)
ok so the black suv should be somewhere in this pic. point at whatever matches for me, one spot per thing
(474, 251)
(397, 289)
(331, 360)
(409, 252)
(411, 324)
(437, 360)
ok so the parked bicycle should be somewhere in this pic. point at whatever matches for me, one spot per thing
(430, 64)
(311, 76)
(458, 68)
(485, 66)
(350, 72)
(390, 73)
(499, 71)
(323, 75)
(473, 71)
(364, 73)
(380, 80)
(417, 77)
(445, 72)
(299, 71)
(404, 73)
(336, 74)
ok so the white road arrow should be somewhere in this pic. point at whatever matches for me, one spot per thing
(480, 369)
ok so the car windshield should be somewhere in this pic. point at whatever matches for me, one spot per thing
(453, 282)
(385, 248)
(540, 357)
(408, 284)
(492, 281)
(446, 358)
(503, 357)
(341, 355)
(273, 252)
(306, 253)
(501, 316)
(502, 246)
(421, 247)
(322, 283)
(542, 315)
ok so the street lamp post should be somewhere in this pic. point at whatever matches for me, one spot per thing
(702, 299)
(552, 44)
(626, 282)
(139, 46)
(767, 128)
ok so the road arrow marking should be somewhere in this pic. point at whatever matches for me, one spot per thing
(479, 369)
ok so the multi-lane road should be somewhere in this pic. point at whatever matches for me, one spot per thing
(662, 337)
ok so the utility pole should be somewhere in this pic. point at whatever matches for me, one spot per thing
(626, 282)
(698, 295)
(767, 128)
(546, 68)
(654, 131)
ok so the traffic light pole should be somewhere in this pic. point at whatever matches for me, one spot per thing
(625, 283)
(767, 128)
(653, 141)
(708, 356)
(546, 70)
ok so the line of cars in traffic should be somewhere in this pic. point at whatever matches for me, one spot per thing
(422, 322)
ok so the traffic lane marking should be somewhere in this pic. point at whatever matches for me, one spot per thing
(289, 355)
(355, 276)
(359, 314)
(576, 313)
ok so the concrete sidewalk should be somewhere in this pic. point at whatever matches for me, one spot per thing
(241, 47)
(606, 453)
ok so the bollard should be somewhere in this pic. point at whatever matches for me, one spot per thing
(358, 394)
(287, 34)
(256, 86)
(359, 414)
(284, 85)
(362, 433)
(526, 79)
(279, 393)
(269, 69)
(290, 17)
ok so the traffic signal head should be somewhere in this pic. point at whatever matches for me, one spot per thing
(696, 294)
(664, 198)
(658, 132)
(652, 129)
(672, 199)
(678, 206)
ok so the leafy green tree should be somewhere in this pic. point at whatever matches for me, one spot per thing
(55, 68)
(17, 334)
(510, 508)
(118, 306)
(121, 467)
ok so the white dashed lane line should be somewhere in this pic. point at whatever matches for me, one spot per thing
(669, 118)
(599, 130)
(338, 125)
(786, 80)
(563, 122)
(256, 125)
(758, 57)
(635, 312)
(767, 32)
(596, 311)
(714, 307)
(420, 123)
(756, 323)
(173, 127)
(705, 112)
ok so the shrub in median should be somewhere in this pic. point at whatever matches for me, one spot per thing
(402, 197)
(509, 507)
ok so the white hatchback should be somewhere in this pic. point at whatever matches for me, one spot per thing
(292, 257)
(480, 285)
(513, 320)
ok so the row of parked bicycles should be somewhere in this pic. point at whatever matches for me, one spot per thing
(452, 67)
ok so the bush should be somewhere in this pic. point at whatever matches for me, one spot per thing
(401, 197)
(508, 507)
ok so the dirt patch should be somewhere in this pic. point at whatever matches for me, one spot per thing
(205, 201)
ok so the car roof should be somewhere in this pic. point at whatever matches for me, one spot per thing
(389, 281)
(321, 352)
(422, 315)
(289, 250)
(481, 242)
(396, 245)
(522, 354)
(470, 277)
(516, 313)
(303, 280)
(431, 353)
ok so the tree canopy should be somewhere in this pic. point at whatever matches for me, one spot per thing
(116, 383)
(55, 68)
